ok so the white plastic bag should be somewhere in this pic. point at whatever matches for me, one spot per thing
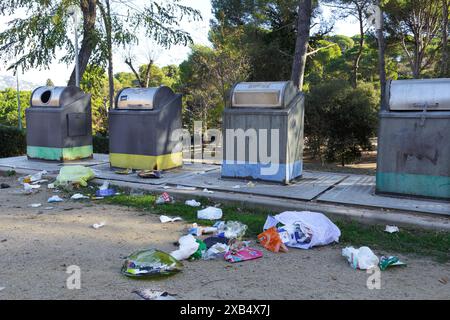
(362, 258)
(210, 213)
(188, 246)
(193, 203)
(318, 229)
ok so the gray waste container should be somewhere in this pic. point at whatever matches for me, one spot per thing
(59, 124)
(263, 132)
(414, 139)
(141, 127)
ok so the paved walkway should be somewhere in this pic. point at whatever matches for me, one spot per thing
(314, 190)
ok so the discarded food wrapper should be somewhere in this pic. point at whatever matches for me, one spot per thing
(218, 250)
(164, 198)
(36, 205)
(244, 254)
(33, 178)
(150, 174)
(55, 199)
(271, 240)
(78, 196)
(392, 229)
(210, 213)
(193, 203)
(150, 263)
(392, 261)
(98, 225)
(362, 258)
(188, 246)
(198, 231)
(166, 219)
(124, 172)
(305, 229)
(234, 230)
(149, 294)
(74, 175)
(105, 193)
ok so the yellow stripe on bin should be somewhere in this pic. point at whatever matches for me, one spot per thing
(141, 162)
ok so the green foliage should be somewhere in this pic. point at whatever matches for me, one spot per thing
(8, 107)
(340, 119)
(100, 144)
(13, 142)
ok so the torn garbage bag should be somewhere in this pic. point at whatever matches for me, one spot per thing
(362, 258)
(188, 246)
(150, 263)
(305, 229)
(75, 175)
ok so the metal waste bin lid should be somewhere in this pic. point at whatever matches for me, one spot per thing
(55, 97)
(263, 94)
(417, 95)
(144, 98)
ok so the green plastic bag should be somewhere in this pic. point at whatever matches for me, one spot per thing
(75, 175)
(200, 251)
(150, 263)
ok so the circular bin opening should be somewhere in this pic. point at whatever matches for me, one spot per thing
(45, 96)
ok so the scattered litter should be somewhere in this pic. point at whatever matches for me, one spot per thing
(236, 187)
(218, 250)
(234, 230)
(36, 205)
(164, 198)
(198, 231)
(166, 219)
(28, 188)
(104, 186)
(51, 186)
(49, 208)
(244, 254)
(124, 172)
(150, 263)
(4, 186)
(387, 262)
(193, 203)
(188, 246)
(362, 258)
(105, 193)
(149, 294)
(211, 241)
(2, 288)
(392, 229)
(201, 251)
(250, 184)
(444, 280)
(97, 226)
(271, 240)
(74, 175)
(210, 213)
(305, 229)
(150, 174)
(207, 191)
(186, 188)
(167, 187)
(97, 198)
(39, 181)
(78, 196)
(55, 199)
(33, 178)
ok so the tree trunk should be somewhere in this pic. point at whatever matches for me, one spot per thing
(445, 56)
(148, 73)
(361, 47)
(106, 15)
(88, 7)
(301, 45)
(381, 59)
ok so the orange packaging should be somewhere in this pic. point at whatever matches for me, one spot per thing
(271, 240)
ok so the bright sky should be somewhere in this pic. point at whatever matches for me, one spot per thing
(59, 73)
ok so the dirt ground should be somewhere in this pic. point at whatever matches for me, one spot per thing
(37, 246)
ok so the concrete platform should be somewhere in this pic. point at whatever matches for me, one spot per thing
(320, 190)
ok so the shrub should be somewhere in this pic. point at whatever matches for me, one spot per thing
(13, 142)
(340, 120)
(101, 144)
